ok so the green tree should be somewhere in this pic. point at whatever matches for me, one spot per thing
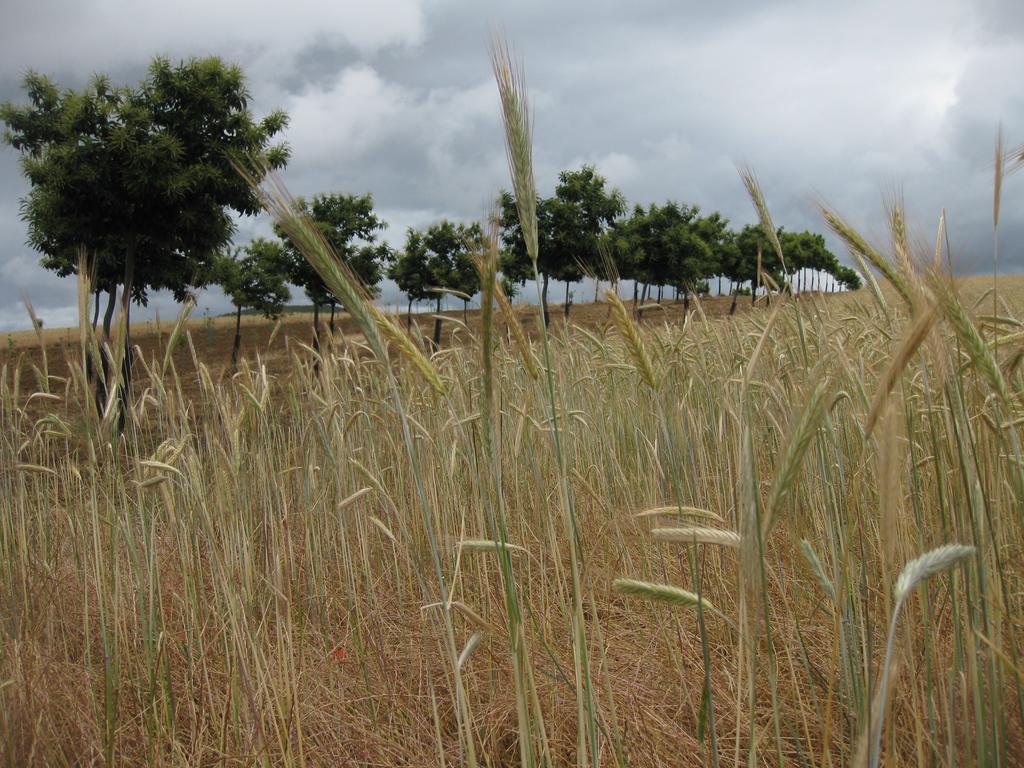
(662, 245)
(625, 241)
(349, 225)
(753, 249)
(848, 278)
(436, 260)
(714, 230)
(570, 227)
(583, 209)
(463, 278)
(141, 177)
(515, 264)
(411, 271)
(255, 278)
(690, 259)
(806, 251)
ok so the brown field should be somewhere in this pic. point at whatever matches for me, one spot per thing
(300, 566)
(213, 339)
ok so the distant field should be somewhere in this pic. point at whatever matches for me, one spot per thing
(1011, 289)
(274, 341)
(213, 338)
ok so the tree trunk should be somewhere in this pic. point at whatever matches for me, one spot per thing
(753, 292)
(686, 301)
(126, 308)
(544, 301)
(238, 337)
(105, 360)
(316, 326)
(567, 305)
(719, 285)
(735, 296)
(96, 308)
(333, 305)
(108, 315)
(636, 284)
(408, 316)
(437, 325)
(661, 288)
(465, 310)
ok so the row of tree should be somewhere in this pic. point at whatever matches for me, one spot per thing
(144, 179)
(584, 229)
(434, 262)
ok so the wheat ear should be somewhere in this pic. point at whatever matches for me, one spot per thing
(662, 593)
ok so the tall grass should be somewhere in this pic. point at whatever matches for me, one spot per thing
(712, 544)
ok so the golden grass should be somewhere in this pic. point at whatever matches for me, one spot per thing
(181, 595)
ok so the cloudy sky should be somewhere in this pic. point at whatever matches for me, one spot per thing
(838, 101)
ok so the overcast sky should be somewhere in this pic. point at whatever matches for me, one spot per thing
(839, 101)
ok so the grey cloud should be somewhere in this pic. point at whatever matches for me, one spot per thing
(839, 102)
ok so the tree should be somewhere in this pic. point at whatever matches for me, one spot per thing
(436, 260)
(570, 226)
(141, 177)
(625, 243)
(411, 271)
(714, 230)
(647, 253)
(582, 210)
(848, 278)
(144, 170)
(253, 278)
(463, 278)
(754, 250)
(806, 251)
(690, 259)
(349, 225)
(515, 264)
(662, 245)
(61, 138)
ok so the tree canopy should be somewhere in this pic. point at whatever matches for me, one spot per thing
(254, 278)
(143, 170)
(349, 225)
(438, 259)
(570, 226)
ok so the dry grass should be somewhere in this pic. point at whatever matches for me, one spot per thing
(180, 596)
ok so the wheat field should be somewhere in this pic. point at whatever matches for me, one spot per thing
(351, 566)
